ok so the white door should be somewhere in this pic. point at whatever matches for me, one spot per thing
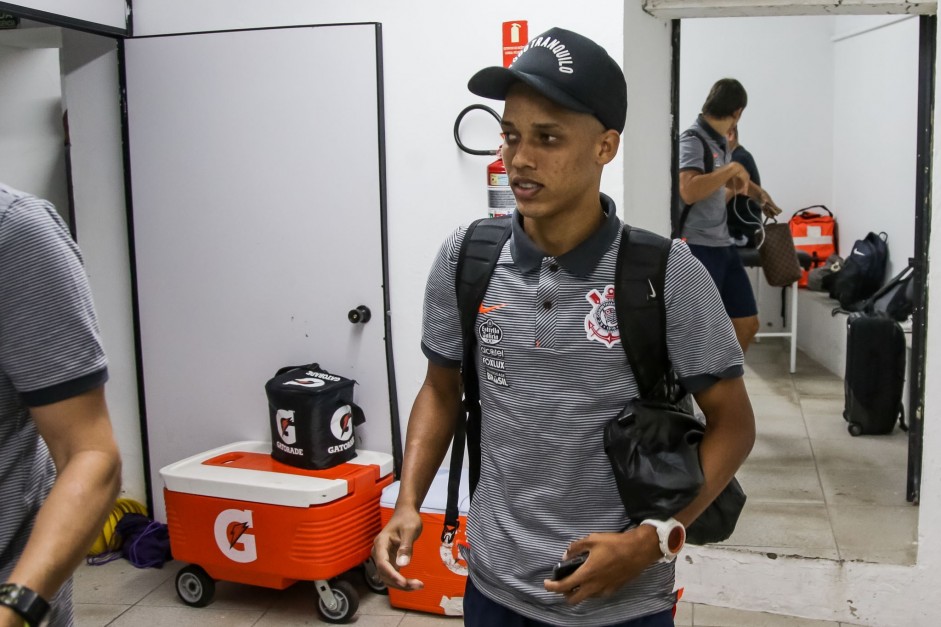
(256, 178)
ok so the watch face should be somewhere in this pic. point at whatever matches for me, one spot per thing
(676, 539)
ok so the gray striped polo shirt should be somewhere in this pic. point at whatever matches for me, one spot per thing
(50, 350)
(707, 224)
(552, 372)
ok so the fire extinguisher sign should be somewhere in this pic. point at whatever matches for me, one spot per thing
(515, 36)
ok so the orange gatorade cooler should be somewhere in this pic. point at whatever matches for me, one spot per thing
(438, 565)
(238, 515)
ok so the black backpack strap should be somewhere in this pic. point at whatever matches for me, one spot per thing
(480, 250)
(641, 312)
(709, 166)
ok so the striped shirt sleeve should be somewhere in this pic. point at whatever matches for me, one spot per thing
(691, 154)
(700, 338)
(442, 343)
(50, 347)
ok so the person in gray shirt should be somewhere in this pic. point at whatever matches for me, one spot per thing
(60, 469)
(707, 182)
(550, 378)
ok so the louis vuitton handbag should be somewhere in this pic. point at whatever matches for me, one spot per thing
(778, 255)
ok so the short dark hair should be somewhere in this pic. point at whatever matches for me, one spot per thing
(725, 98)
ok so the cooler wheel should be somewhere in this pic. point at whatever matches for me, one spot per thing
(338, 600)
(195, 587)
(855, 429)
(371, 576)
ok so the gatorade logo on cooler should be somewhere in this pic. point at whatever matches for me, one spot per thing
(234, 535)
(341, 426)
(286, 428)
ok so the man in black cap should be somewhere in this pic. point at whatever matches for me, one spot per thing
(550, 377)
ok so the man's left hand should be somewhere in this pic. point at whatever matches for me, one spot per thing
(613, 560)
(767, 205)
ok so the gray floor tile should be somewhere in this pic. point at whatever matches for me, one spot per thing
(850, 485)
(177, 616)
(819, 387)
(856, 527)
(780, 425)
(97, 614)
(827, 406)
(866, 452)
(771, 386)
(781, 450)
(772, 482)
(228, 596)
(118, 582)
(787, 526)
(429, 620)
(776, 406)
(684, 614)
(821, 426)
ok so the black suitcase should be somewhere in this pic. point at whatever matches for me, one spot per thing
(875, 374)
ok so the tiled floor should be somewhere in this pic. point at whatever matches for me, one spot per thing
(813, 490)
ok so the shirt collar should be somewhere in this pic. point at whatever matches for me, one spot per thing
(715, 135)
(582, 259)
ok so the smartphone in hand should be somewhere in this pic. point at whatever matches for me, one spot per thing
(566, 567)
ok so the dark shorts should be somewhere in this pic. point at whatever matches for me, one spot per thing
(726, 269)
(480, 611)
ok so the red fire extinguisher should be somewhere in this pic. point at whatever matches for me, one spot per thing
(500, 200)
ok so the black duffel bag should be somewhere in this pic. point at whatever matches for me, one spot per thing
(653, 447)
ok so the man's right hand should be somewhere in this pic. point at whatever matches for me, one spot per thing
(739, 178)
(392, 548)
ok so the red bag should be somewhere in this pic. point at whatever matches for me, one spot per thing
(816, 234)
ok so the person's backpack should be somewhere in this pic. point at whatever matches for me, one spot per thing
(708, 166)
(895, 299)
(861, 274)
(815, 233)
(639, 283)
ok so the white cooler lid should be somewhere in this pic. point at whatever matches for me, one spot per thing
(436, 501)
(191, 476)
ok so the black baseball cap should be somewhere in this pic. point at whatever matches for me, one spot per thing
(568, 69)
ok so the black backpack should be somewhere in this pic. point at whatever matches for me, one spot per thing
(708, 166)
(896, 299)
(638, 296)
(862, 272)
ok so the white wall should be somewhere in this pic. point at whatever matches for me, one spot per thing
(875, 91)
(785, 64)
(110, 13)
(92, 97)
(427, 60)
(32, 152)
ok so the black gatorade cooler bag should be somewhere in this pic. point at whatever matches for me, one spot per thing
(312, 417)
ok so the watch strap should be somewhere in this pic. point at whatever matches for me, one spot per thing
(31, 607)
(664, 529)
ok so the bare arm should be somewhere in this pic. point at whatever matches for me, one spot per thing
(78, 434)
(729, 437)
(616, 558)
(695, 186)
(763, 198)
(430, 429)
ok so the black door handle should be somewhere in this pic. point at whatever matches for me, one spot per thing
(359, 315)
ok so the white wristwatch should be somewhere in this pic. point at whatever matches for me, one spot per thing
(672, 536)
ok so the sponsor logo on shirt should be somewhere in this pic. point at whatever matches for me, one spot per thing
(490, 332)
